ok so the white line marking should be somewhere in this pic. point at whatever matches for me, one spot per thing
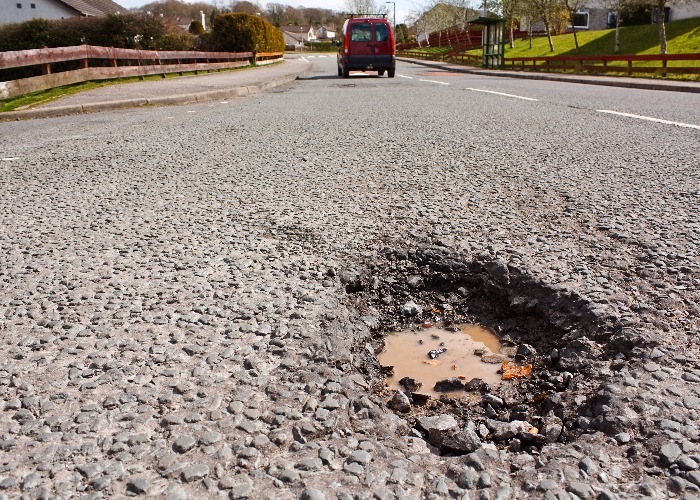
(404, 76)
(503, 94)
(434, 81)
(9, 158)
(191, 111)
(648, 118)
(223, 102)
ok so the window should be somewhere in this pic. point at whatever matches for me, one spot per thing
(655, 15)
(361, 32)
(32, 5)
(19, 5)
(381, 33)
(581, 20)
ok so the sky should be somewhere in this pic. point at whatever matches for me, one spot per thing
(403, 7)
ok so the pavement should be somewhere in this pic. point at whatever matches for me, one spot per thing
(610, 81)
(215, 86)
(170, 91)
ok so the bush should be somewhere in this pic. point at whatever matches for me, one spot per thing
(321, 46)
(129, 31)
(238, 32)
(196, 28)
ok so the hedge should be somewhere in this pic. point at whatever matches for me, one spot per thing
(239, 32)
(128, 31)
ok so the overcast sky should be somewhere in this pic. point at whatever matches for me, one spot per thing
(403, 7)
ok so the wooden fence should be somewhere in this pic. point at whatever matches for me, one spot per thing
(650, 64)
(86, 62)
(452, 56)
(617, 64)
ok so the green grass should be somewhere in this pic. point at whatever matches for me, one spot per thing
(28, 101)
(431, 50)
(683, 37)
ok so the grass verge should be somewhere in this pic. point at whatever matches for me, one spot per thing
(28, 101)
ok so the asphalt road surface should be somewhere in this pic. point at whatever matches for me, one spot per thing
(191, 297)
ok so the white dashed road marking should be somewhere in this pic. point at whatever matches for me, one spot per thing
(404, 76)
(434, 81)
(503, 94)
(648, 118)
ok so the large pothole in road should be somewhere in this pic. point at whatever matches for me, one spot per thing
(569, 347)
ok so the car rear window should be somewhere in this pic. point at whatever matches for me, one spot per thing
(361, 32)
(381, 32)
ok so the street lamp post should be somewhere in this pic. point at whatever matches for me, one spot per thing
(394, 18)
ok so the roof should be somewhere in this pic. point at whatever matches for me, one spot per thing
(94, 7)
(296, 28)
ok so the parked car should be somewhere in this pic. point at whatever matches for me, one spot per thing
(367, 44)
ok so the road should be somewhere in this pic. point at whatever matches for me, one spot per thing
(192, 296)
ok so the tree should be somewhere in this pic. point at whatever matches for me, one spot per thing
(196, 27)
(439, 17)
(546, 11)
(274, 13)
(246, 7)
(572, 8)
(511, 9)
(417, 20)
(175, 10)
(401, 33)
(365, 7)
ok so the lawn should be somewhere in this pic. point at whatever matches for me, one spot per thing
(683, 37)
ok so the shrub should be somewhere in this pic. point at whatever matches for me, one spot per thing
(321, 46)
(238, 32)
(32, 34)
(129, 31)
(196, 28)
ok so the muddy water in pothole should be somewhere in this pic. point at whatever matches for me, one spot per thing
(408, 352)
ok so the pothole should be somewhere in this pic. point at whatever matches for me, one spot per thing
(434, 360)
(573, 347)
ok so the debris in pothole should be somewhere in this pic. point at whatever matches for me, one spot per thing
(435, 353)
(512, 370)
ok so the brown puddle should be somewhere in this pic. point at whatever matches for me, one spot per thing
(409, 357)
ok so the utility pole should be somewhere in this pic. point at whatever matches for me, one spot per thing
(394, 18)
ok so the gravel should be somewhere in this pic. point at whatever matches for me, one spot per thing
(191, 303)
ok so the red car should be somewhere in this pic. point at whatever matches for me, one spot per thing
(367, 45)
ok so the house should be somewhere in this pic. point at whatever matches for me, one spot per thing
(17, 11)
(597, 14)
(324, 33)
(295, 35)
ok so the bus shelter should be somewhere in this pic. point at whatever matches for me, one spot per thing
(492, 40)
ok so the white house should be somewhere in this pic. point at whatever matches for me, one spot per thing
(297, 34)
(598, 15)
(17, 11)
(324, 33)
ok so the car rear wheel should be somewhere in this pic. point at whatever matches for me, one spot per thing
(340, 71)
(346, 73)
(392, 72)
